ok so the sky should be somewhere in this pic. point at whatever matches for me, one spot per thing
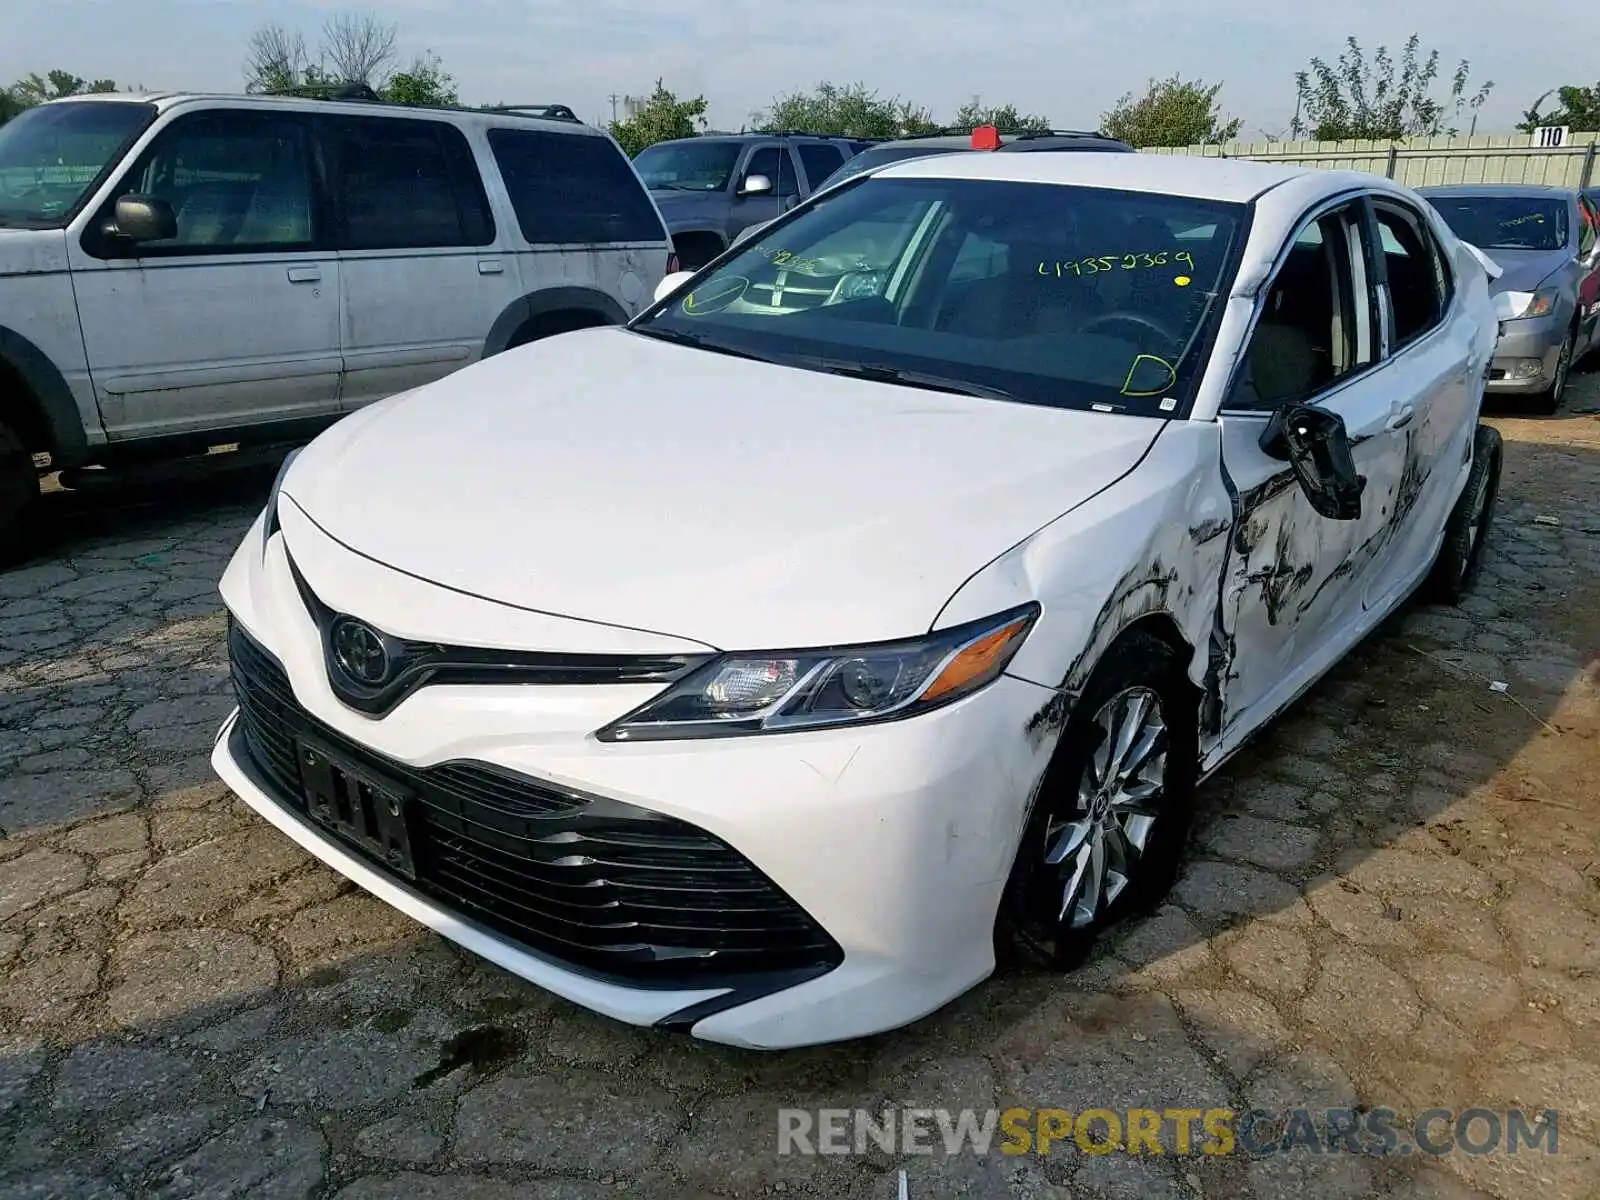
(1068, 62)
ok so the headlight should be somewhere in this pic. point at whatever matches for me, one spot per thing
(1516, 306)
(736, 694)
(271, 526)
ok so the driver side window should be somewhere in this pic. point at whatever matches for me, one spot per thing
(1313, 324)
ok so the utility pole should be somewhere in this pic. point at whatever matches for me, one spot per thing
(613, 98)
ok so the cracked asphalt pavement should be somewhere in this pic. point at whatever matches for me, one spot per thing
(1394, 901)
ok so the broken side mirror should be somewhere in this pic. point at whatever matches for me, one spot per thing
(1317, 448)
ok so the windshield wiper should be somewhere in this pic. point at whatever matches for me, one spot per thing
(676, 187)
(917, 379)
(681, 337)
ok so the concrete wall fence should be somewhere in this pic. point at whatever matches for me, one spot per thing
(1428, 162)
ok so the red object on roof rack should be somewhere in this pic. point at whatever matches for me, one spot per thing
(986, 137)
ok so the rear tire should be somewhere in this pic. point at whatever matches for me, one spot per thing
(19, 496)
(1461, 555)
(1135, 806)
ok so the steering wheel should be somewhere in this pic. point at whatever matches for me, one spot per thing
(1132, 318)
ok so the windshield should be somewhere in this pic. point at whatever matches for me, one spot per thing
(1064, 296)
(52, 155)
(880, 155)
(694, 166)
(1506, 222)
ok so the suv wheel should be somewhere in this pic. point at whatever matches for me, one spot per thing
(19, 493)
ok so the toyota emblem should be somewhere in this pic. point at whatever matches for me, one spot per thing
(359, 651)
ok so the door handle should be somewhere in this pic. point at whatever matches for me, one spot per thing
(1401, 418)
(305, 274)
(490, 267)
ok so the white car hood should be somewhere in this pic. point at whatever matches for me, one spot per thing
(614, 478)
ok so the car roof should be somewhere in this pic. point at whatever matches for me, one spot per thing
(344, 105)
(1497, 189)
(1048, 139)
(1226, 179)
(760, 137)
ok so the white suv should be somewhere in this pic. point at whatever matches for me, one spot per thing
(178, 271)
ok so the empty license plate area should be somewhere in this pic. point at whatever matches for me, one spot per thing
(357, 807)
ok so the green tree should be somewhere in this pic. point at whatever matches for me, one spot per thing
(661, 118)
(425, 82)
(1172, 112)
(10, 106)
(55, 85)
(1579, 109)
(1004, 117)
(1354, 98)
(849, 111)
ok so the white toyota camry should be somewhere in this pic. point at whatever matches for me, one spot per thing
(867, 611)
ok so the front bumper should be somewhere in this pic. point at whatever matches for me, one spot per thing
(891, 843)
(1525, 356)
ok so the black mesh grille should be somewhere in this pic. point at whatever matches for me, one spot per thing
(611, 889)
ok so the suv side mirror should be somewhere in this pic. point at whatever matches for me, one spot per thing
(755, 185)
(144, 219)
(1317, 447)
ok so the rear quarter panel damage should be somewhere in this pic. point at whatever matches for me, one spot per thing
(1153, 543)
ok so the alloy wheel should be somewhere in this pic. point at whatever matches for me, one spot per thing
(1096, 848)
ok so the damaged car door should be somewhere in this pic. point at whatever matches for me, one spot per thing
(1433, 365)
(1292, 588)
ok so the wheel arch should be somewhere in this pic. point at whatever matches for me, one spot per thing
(45, 412)
(547, 303)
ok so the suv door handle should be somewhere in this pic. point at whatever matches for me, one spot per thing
(1402, 417)
(305, 274)
(488, 266)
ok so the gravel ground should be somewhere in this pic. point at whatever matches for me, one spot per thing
(1394, 902)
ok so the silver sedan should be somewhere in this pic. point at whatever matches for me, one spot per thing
(1543, 239)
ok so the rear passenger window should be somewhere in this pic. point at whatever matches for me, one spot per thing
(573, 189)
(401, 184)
(820, 160)
(1418, 280)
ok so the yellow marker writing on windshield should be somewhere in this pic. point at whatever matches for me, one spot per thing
(715, 297)
(1165, 371)
(1095, 264)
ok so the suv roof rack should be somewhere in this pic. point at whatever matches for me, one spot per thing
(1082, 133)
(832, 137)
(550, 112)
(329, 91)
(362, 92)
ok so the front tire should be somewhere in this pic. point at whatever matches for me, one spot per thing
(1461, 555)
(1550, 401)
(1111, 819)
(19, 496)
